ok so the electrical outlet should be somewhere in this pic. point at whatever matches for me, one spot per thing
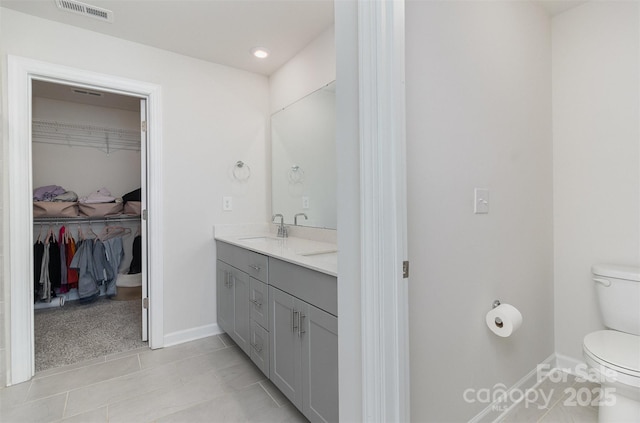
(227, 203)
(305, 202)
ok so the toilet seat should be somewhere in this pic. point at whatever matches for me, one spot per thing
(617, 351)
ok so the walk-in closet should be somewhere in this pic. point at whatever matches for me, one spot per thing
(89, 251)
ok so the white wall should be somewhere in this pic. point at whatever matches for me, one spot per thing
(478, 115)
(213, 116)
(81, 169)
(313, 67)
(596, 88)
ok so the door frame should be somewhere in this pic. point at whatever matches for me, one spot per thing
(18, 218)
(372, 237)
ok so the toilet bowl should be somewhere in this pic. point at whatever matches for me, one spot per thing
(613, 355)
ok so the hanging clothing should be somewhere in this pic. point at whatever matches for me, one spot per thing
(136, 260)
(44, 290)
(101, 266)
(70, 251)
(63, 260)
(55, 271)
(38, 252)
(84, 263)
(114, 252)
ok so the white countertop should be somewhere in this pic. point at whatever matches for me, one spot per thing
(313, 254)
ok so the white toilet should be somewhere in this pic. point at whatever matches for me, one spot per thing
(614, 354)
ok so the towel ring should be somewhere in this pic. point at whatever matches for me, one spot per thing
(241, 171)
(296, 174)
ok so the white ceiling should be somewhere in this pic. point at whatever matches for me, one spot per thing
(219, 31)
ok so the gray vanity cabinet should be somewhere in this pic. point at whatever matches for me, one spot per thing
(242, 299)
(224, 297)
(284, 317)
(304, 339)
(259, 299)
(232, 289)
(286, 356)
(319, 365)
(259, 319)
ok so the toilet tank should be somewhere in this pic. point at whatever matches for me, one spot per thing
(618, 292)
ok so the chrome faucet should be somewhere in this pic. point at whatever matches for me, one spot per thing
(295, 218)
(282, 230)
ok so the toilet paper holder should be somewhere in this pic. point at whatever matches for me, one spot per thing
(497, 321)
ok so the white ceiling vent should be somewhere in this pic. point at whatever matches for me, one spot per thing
(86, 92)
(85, 10)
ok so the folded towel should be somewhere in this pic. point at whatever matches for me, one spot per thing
(102, 195)
(68, 196)
(47, 193)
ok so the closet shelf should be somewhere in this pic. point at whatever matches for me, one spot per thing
(74, 135)
(85, 219)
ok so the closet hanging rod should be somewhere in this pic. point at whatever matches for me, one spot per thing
(85, 219)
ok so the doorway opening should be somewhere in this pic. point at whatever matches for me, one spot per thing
(22, 74)
(89, 179)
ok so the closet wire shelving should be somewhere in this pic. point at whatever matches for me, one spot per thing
(103, 138)
(84, 219)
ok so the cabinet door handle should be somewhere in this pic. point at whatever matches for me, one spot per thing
(293, 320)
(254, 267)
(301, 317)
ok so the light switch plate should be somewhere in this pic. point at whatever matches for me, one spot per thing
(481, 201)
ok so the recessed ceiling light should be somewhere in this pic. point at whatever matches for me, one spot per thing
(260, 52)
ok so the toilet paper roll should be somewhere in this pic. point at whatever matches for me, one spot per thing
(504, 320)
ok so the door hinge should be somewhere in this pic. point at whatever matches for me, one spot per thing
(144, 214)
(145, 303)
(143, 126)
(405, 269)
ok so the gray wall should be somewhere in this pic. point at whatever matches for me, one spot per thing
(596, 88)
(478, 115)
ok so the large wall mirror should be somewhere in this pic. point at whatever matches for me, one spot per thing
(304, 160)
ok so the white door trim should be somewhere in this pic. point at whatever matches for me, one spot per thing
(384, 301)
(18, 269)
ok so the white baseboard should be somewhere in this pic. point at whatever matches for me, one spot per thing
(569, 364)
(191, 334)
(498, 409)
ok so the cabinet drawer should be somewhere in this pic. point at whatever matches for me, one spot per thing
(313, 287)
(259, 299)
(250, 262)
(257, 266)
(259, 349)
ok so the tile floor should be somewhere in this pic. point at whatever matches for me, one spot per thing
(559, 398)
(209, 380)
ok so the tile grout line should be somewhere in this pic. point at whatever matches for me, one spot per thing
(66, 401)
(270, 396)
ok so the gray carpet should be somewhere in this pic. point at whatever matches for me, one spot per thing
(79, 332)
